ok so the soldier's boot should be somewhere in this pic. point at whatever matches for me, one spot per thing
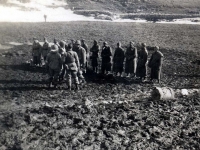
(55, 82)
(50, 82)
(77, 86)
(133, 75)
(158, 80)
(69, 85)
(77, 83)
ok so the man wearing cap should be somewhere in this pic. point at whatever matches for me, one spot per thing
(155, 63)
(54, 64)
(118, 60)
(106, 56)
(45, 49)
(141, 70)
(36, 52)
(72, 65)
(131, 60)
(82, 58)
(94, 57)
(62, 52)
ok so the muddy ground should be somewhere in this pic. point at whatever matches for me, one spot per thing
(113, 114)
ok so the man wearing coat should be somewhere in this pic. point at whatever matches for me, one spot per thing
(54, 64)
(106, 56)
(155, 63)
(82, 59)
(36, 52)
(118, 60)
(72, 66)
(131, 60)
(141, 70)
(94, 57)
(45, 49)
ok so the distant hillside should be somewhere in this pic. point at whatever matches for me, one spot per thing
(131, 6)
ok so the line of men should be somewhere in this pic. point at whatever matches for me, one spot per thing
(71, 60)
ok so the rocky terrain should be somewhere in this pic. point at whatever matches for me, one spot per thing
(106, 114)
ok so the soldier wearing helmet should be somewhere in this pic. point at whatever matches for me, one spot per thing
(54, 64)
(62, 52)
(72, 65)
(82, 59)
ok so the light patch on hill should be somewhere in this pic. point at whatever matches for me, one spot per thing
(35, 10)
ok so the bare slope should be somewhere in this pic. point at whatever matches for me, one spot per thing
(164, 6)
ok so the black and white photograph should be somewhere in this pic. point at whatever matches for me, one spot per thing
(99, 74)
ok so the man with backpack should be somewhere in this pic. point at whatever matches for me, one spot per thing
(72, 66)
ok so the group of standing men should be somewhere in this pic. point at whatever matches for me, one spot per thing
(135, 58)
(71, 60)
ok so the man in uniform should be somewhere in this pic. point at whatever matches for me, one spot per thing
(36, 52)
(82, 59)
(155, 63)
(73, 44)
(62, 52)
(45, 49)
(94, 57)
(54, 64)
(131, 60)
(118, 60)
(141, 70)
(85, 46)
(55, 41)
(72, 65)
(106, 56)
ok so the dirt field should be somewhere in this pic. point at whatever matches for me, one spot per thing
(102, 115)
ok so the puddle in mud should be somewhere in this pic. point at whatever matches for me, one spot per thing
(5, 47)
(15, 43)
